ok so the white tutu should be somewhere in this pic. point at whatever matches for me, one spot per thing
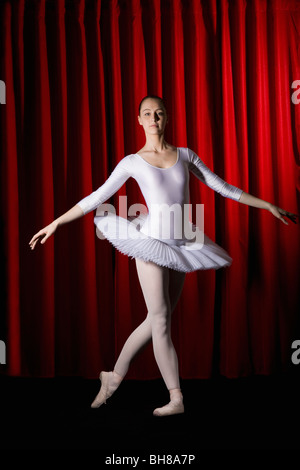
(181, 255)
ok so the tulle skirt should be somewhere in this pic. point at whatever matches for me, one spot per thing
(181, 255)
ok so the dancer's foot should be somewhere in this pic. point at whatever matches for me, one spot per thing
(110, 381)
(175, 406)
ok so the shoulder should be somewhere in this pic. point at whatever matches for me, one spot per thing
(127, 161)
(125, 165)
(193, 157)
(187, 154)
(187, 151)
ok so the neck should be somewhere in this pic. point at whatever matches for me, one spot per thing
(155, 143)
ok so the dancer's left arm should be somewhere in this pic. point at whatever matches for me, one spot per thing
(204, 174)
(253, 201)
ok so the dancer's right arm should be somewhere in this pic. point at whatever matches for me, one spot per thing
(120, 174)
(74, 213)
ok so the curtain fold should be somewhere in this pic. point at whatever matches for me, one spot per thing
(75, 73)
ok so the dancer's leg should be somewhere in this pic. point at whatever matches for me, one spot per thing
(141, 336)
(154, 280)
(137, 340)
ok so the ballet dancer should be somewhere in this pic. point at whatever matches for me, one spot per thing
(161, 171)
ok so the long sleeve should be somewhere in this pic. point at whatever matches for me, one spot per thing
(204, 174)
(117, 178)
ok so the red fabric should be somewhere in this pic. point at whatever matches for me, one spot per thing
(75, 72)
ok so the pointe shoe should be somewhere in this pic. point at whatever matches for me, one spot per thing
(173, 408)
(108, 387)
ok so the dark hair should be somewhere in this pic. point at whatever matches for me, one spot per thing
(153, 97)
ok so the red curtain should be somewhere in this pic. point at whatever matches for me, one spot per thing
(75, 72)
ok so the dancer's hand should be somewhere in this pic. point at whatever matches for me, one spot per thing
(279, 213)
(46, 232)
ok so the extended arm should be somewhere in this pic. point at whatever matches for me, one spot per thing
(253, 201)
(227, 190)
(74, 213)
(213, 181)
(117, 178)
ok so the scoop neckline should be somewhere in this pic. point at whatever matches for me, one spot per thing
(157, 167)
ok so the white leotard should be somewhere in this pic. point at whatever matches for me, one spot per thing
(161, 187)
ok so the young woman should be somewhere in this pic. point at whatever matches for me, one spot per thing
(162, 173)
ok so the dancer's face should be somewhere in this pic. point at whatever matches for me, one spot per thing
(153, 117)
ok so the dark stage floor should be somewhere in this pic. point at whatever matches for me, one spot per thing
(249, 413)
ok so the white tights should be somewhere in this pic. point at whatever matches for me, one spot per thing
(161, 288)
